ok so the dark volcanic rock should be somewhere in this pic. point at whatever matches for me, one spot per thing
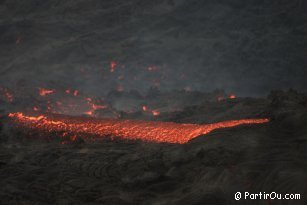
(207, 170)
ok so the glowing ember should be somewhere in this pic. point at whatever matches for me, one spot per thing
(144, 108)
(113, 65)
(44, 92)
(155, 112)
(232, 96)
(126, 129)
(8, 96)
(76, 92)
(90, 113)
(94, 108)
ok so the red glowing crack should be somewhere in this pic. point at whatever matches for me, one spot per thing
(150, 131)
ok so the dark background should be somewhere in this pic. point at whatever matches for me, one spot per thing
(245, 47)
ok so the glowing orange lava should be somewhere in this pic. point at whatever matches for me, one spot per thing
(76, 92)
(44, 92)
(151, 131)
(93, 107)
(155, 112)
(113, 65)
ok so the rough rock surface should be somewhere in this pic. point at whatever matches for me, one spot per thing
(207, 170)
(247, 47)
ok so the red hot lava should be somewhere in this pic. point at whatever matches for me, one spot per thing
(144, 108)
(232, 96)
(44, 92)
(113, 65)
(150, 131)
(155, 112)
(76, 92)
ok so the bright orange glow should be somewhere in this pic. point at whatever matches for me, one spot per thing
(93, 106)
(155, 112)
(44, 92)
(76, 92)
(151, 131)
(232, 96)
(113, 65)
(144, 108)
(90, 113)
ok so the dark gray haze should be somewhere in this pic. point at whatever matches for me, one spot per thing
(248, 47)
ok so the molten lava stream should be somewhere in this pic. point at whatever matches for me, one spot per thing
(150, 131)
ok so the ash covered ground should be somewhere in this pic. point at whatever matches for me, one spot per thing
(207, 170)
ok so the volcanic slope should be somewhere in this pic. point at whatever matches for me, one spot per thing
(207, 170)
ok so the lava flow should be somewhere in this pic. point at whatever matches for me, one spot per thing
(150, 131)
